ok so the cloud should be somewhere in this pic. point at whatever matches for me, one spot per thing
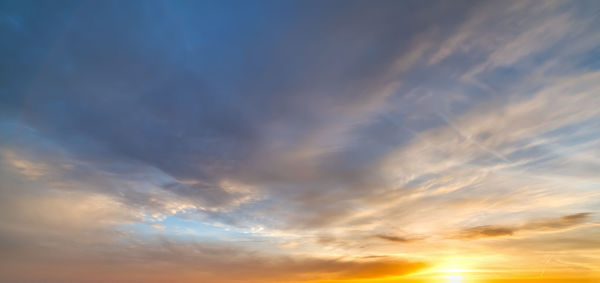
(397, 239)
(557, 223)
(539, 225)
(162, 260)
(298, 138)
(89, 234)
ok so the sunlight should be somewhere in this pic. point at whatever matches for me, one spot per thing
(454, 278)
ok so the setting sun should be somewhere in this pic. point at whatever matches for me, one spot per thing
(454, 278)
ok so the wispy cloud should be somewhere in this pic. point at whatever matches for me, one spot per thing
(538, 225)
(397, 239)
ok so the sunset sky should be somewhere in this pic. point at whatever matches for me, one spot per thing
(300, 141)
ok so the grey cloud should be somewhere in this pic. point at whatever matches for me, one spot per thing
(298, 117)
(161, 260)
(538, 225)
(397, 239)
(69, 236)
(487, 231)
(185, 101)
(557, 223)
(584, 240)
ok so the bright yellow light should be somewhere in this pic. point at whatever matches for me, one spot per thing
(454, 278)
(454, 270)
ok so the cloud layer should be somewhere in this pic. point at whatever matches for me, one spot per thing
(273, 141)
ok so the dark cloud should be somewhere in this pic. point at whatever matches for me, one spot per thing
(557, 223)
(489, 231)
(63, 235)
(160, 259)
(397, 239)
(202, 91)
(577, 240)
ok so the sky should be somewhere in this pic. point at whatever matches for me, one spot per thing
(300, 141)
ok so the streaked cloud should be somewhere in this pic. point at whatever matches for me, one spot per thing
(560, 223)
(397, 239)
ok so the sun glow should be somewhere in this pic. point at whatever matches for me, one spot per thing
(454, 278)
